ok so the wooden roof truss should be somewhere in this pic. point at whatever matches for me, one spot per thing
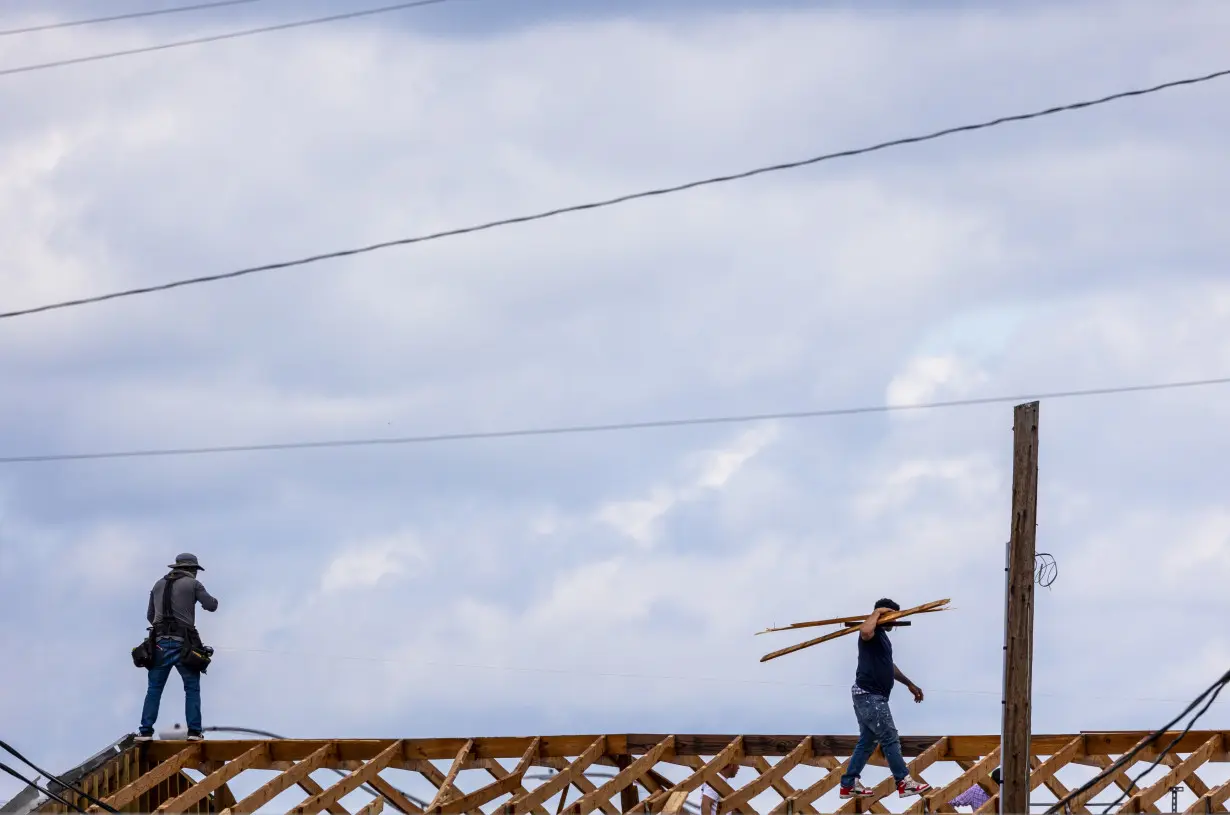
(778, 775)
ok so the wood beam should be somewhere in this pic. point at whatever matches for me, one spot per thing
(283, 781)
(1146, 797)
(216, 779)
(731, 754)
(941, 797)
(349, 783)
(374, 808)
(802, 799)
(483, 795)
(589, 802)
(446, 787)
(747, 792)
(528, 801)
(144, 783)
(394, 797)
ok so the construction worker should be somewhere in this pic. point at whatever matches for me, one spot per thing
(174, 632)
(975, 796)
(709, 797)
(873, 683)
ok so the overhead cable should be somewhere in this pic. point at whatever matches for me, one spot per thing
(45, 791)
(10, 749)
(229, 35)
(1209, 694)
(132, 15)
(608, 202)
(594, 428)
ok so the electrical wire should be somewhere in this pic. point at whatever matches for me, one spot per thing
(589, 672)
(6, 768)
(1219, 685)
(133, 15)
(609, 202)
(10, 749)
(1046, 570)
(230, 35)
(1127, 757)
(598, 428)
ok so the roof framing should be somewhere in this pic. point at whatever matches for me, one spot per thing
(780, 775)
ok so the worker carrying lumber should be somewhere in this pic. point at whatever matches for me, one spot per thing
(873, 683)
(174, 643)
(709, 797)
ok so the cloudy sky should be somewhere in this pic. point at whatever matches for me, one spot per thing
(610, 582)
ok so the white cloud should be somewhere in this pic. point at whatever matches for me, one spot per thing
(363, 565)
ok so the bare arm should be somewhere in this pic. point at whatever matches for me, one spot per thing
(708, 806)
(868, 629)
(905, 680)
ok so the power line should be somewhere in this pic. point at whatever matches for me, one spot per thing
(522, 219)
(597, 428)
(7, 769)
(134, 15)
(1216, 689)
(1126, 758)
(230, 35)
(64, 784)
(590, 672)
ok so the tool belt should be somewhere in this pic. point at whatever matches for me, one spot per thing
(196, 655)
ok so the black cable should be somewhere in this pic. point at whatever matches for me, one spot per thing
(1165, 750)
(6, 768)
(134, 15)
(1046, 570)
(465, 230)
(9, 748)
(230, 35)
(594, 428)
(1126, 758)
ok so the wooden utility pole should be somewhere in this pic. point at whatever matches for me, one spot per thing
(1019, 614)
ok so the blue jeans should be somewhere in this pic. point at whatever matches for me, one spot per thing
(166, 656)
(875, 724)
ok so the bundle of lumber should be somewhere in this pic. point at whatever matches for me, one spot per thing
(849, 626)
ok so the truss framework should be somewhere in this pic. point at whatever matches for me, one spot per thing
(779, 775)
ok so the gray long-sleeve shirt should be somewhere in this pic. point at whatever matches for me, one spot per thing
(185, 594)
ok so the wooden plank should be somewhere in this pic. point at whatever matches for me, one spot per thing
(1019, 614)
(216, 779)
(312, 788)
(590, 801)
(762, 782)
(941, 797)
(1146, 797)
(148, 781)
(1193, 782)
(496, 771)
(394, 796)
(446, 787)
(852, 620)
(934, 753)
(351, 782)
(1214, 801)
(587, 787)
(822, 745)
(526, 802)
(803, 798)
(889, 617)
(490, 792)
(731, 754)
(283, 781)
(375, 807)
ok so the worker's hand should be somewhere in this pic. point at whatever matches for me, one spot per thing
(917, 691)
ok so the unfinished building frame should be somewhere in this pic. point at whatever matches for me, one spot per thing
(151, 777)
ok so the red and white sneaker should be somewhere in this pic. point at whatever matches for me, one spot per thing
(857, 791)
(909, 787)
